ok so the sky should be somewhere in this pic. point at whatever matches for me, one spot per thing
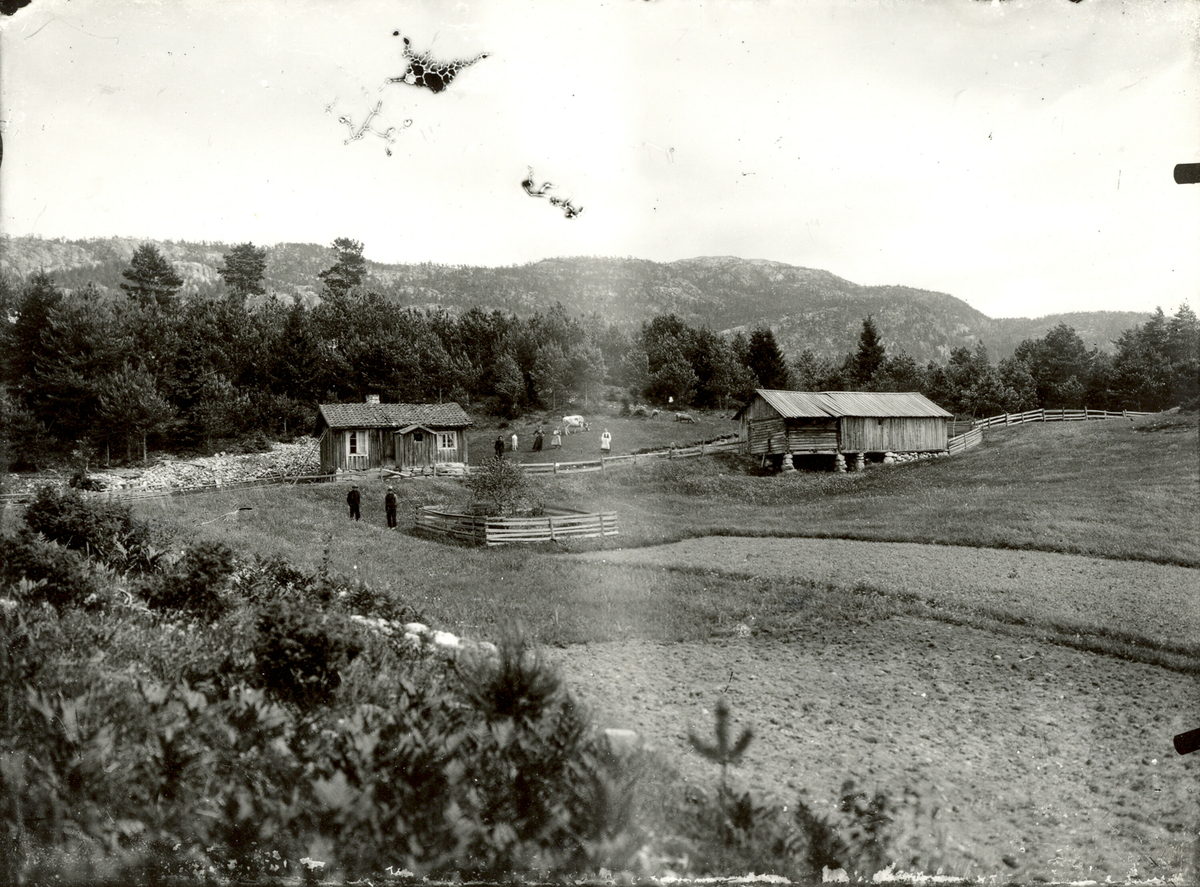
(1017, 155)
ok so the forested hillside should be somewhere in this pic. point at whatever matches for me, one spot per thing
(805, 308)
(164, 355)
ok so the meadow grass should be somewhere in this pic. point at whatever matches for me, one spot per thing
(1101, 489)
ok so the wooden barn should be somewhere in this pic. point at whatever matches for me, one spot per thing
(783, 423)
(359, 436)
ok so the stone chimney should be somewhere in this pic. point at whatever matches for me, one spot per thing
(372, 398)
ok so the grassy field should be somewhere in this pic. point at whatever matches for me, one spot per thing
(1107, 489)
(628, 436)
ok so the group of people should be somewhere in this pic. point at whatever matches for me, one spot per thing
(354, 500)
(539, 440)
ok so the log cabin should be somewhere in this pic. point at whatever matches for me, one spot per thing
(362, 436)
(783, 424)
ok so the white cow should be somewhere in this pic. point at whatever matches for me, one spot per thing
(575, 423)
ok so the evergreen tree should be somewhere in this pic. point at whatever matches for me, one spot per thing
(28, 353)
(871, 354)
(348, 270)
(765, 360)
(130, 407)
(151, 279)
(508, 382)
(812, 372)
(243, 270)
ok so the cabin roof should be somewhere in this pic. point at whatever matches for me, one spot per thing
(392, 415)
(865, 404)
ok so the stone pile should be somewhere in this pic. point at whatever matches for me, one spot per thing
(299, 459)
(894, 458)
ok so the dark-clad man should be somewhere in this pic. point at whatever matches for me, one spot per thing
(353, 499)
(389, 505)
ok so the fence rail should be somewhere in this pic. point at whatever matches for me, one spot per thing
(606, 462)
(492, 531)
(1084, 415)
(962, 442)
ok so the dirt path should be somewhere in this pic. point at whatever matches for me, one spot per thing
(1044, 761)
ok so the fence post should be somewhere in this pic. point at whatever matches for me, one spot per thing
(1006, 423)
(602, 465)
(556, 468)
(552, 539)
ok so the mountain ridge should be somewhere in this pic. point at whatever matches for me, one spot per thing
(805, 307)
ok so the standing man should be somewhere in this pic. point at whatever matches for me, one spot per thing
(605, 442)
(353, 499)
(389, 506)
(499, 447)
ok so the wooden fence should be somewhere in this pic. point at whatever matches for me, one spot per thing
(483, 530)
(606, 462)
(1085, 415)
(961, 442)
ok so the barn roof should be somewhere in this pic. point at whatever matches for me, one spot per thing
(392, 415)
(869, 404)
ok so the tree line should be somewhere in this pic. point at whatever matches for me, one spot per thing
(110, 372)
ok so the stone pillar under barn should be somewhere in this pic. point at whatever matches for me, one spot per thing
(839, 464)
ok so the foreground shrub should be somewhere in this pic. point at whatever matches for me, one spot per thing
(301, 650)
(104, 530)
(195, 584)
(55, 575)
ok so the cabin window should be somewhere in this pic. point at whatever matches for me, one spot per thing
(446, 440)
(418, 436)
(356, 444)
(880, 421)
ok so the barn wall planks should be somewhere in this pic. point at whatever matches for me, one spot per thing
(895, 435)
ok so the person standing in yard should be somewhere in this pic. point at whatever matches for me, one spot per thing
(538, 440)
(556, 440)
(353, 499)
(605, 442)
(389, 506)
(499, 447)
(514, 442)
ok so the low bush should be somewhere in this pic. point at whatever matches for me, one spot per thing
(301, 650)
(104, 530)
(55, 575)
(195, 584)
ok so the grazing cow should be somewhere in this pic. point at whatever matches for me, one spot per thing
(685, 417)
(575, 423)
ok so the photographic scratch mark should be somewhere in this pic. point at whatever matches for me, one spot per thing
(422, 71)
(669, 153)
(57, 18)
(388, 135)
(570, 210)
(539, 191)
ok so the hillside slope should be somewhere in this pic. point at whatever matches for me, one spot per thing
(807, 308)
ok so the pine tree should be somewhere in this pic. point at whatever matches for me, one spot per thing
(871, 353)
(243, 270)
(151, 278)
(765, 360)
(349, 269)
